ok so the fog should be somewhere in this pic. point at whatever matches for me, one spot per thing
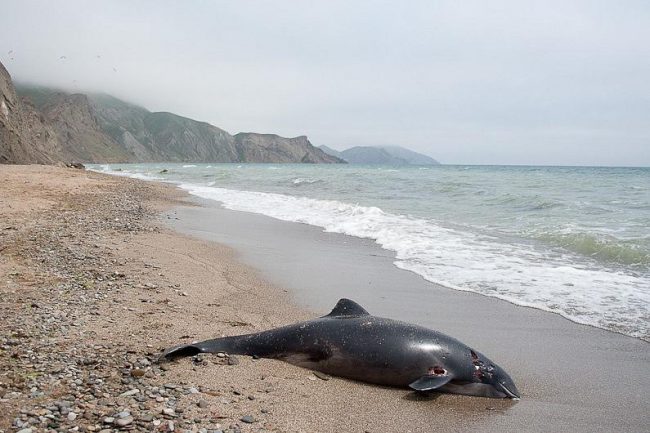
(472, 82)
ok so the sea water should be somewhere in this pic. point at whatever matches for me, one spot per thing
(570, 240)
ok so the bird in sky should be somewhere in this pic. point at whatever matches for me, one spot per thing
(62, 58)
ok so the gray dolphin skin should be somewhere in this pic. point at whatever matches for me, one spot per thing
(351, 343)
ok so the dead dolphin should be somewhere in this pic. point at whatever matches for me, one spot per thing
(351, 343)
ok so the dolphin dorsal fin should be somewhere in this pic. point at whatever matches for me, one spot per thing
(347, 308)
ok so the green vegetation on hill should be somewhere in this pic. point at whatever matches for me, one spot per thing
(102, 128)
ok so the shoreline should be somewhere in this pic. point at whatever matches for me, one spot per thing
(80, 234)
(542, 351)
(258, 262)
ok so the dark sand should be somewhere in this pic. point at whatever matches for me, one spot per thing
(572, 377)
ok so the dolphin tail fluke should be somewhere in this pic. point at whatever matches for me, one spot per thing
(180, 351)
(226, 344)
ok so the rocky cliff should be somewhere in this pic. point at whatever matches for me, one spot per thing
(48, 126)
(24, 135)
(252, 146)
(73, 119)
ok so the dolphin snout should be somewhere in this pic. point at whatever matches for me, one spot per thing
(509, 389)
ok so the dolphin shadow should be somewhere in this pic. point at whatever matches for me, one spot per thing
(497, 406)
(422, 396)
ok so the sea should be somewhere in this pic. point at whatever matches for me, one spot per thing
(570, 240)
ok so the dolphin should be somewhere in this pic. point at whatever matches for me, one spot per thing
(351, 343)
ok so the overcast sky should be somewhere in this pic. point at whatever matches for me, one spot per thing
(482, 82)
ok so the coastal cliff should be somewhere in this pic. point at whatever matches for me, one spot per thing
(47, 126)
(265, 146)
(24, 135)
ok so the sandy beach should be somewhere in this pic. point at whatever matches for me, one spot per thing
(99, 275)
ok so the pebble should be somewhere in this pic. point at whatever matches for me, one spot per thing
(130, 392)
(124, 421)
(137, 372)
(233, 360)
(168, 411)
(202, 404)
(72, 416)
(109, 420)
(25, 430)
(248, 419)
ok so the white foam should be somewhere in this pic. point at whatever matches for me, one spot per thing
(189, 166)
(126, 173)
(303, 180)
(468, 261)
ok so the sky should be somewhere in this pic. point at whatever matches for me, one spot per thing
(466, 82)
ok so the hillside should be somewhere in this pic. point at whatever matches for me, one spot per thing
(44, 125)
(263, 146)
(381, 155)
(20, 123)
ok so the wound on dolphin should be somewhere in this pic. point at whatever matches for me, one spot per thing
(351, 343)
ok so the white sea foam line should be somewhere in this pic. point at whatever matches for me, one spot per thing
(106, 169)
(463, 261)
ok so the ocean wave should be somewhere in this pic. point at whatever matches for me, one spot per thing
(612, 299)
(605, 248)
(304, 181)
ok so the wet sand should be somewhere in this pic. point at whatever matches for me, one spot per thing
(94, 283)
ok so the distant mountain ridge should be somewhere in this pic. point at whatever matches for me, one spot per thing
(384, 155)
(44, 125)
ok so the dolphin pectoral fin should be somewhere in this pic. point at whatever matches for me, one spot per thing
(180, 351)
(347, 308)
(429, 382)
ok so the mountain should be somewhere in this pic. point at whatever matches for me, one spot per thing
(409, 156)
(299, 149)
(44, 125)
(330, 151)
(381, 155)
(73, 119)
